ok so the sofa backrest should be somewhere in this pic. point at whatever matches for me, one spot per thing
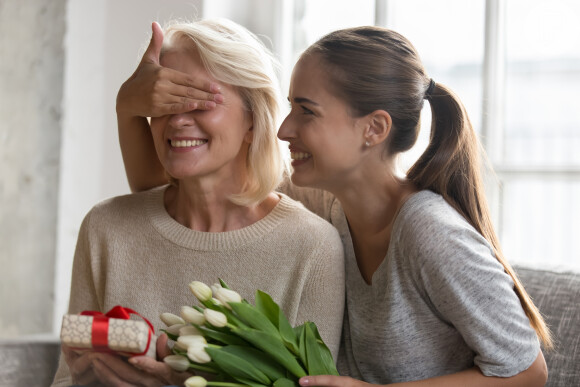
(557, 296)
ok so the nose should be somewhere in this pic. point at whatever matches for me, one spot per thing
(287, 131)
(182, 120)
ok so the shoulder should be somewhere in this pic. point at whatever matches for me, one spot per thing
(123, 208)
(303, 219)
(427, 217)
(318, 201)
(431, 233)
(309, 230)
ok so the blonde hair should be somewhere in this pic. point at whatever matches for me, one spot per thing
(233, 55)
(389, 75)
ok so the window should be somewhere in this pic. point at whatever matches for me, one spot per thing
(516, 66)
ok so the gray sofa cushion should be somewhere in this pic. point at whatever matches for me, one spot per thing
(557, 296)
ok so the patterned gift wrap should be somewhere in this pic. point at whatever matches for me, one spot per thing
(125, 337)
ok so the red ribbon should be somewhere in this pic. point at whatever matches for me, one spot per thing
(100, 328)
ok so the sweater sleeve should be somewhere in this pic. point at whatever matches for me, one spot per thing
(467, 286)
(83, 294)
(323, 296)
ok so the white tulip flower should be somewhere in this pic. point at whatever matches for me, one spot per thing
(189, 330)
(184, 342)
(198, 354)
(227, 295)
(171, 319)
(200, 290)
(215, 318)
(192, 315)
(174, 329)
(195, 381)
(215, 287)
(177, 362)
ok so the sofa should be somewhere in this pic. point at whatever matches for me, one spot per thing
(32, 362)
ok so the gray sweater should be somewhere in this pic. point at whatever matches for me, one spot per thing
(130, 252)
(439, 303)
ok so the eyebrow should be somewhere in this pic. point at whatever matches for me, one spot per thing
(304, 100)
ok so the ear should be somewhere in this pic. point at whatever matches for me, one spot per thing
(378, 127)
(249, 121)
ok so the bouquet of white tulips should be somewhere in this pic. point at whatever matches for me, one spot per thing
(243, 344)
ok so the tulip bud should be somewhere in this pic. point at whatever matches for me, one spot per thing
(184, 342)
(215, 287)
(192, 315)
(227, 295)
(195, 381)
(174, 329)
(200, 290)
(198, 354)
(189, 330)
(215, 318)
(171, 319)
(177, 362)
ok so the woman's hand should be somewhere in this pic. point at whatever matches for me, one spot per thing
(154, 91)
(146, 372)
(80, 365)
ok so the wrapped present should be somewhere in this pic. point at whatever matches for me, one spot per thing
(112, 332)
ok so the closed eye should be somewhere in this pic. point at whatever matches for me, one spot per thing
(305, 110)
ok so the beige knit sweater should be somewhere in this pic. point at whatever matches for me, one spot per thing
(130, 252)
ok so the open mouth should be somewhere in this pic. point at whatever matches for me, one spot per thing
(300, 155)
(186, 143)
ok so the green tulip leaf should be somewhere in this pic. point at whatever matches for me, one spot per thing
(283, 382)
(237, 367)
(324, 351)
(272, 311)
(223, 284)
(222, 337)
(318, 362)
(274, 346)
(259, 359)
(253, 317)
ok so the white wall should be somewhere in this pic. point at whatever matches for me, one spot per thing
(103, 43)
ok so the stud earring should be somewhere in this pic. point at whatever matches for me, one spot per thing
(367, 144)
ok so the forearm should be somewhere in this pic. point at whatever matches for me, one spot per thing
(142, 165)
(535, 375)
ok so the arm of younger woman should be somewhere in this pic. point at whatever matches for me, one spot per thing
(154, 91)
(535, 376)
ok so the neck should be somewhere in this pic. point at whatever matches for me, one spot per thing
(371, 200)
(371, 205)
(206, 206)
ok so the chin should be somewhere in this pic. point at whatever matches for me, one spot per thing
(300, 180)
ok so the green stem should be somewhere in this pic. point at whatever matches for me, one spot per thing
(225, 384)
(202, 368)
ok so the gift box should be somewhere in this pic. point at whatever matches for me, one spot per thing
(112, 332)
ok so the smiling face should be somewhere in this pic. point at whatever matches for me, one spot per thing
(203, 143)
(326, 142)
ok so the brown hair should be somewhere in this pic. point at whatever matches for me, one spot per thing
(374, 68)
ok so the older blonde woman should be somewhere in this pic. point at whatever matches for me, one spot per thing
(217, 217)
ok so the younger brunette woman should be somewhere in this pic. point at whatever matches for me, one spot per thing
(431, 300)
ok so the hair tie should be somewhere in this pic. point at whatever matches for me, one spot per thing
(430, 89)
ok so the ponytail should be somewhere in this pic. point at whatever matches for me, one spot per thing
(451, 166)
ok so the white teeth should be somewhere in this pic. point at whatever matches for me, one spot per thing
(300, 155)
(186, 143)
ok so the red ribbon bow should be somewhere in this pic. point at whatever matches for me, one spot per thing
(100, 328)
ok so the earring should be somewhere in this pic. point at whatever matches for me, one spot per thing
(367, 144)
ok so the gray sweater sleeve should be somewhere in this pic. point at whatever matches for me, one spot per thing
(456, 271)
